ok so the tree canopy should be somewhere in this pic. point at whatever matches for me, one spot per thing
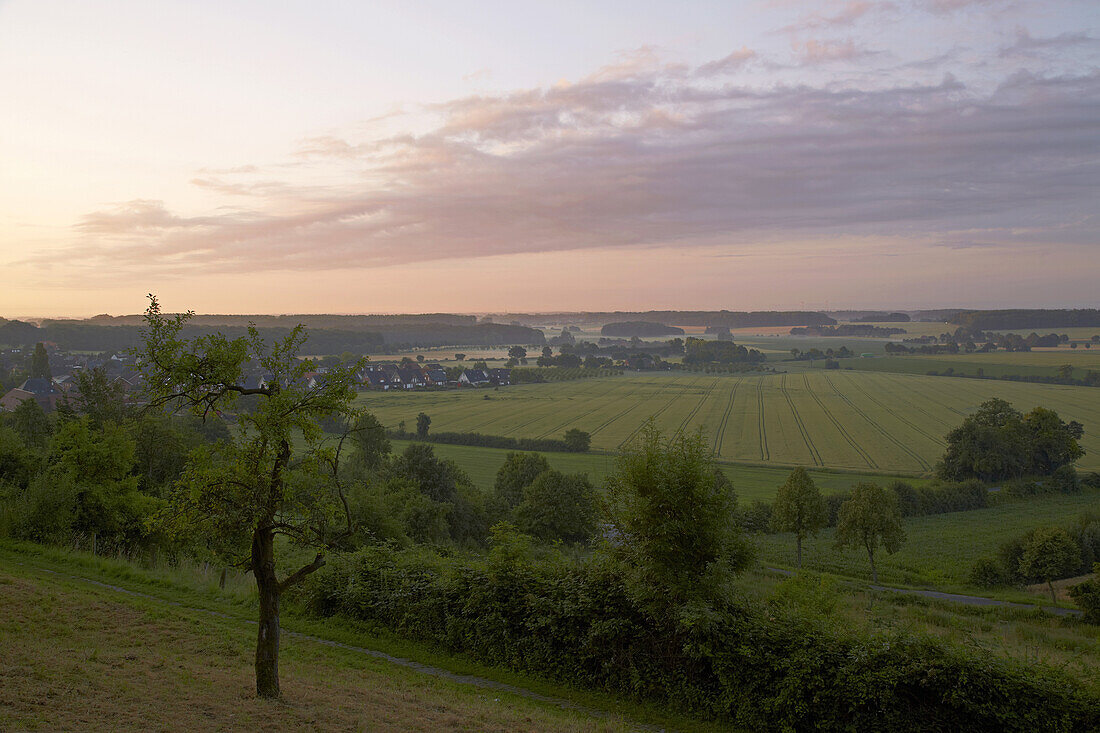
(799, 508)
(868, 519)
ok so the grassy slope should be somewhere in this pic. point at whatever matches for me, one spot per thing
(872, 422)
(74, 656)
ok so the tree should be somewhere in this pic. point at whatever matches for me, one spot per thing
(799, 508)
(422, 424)
(577, 440)
(870, 518)
(99, 398)
(517, 353)
(370, 446)
(460, 357)
(419, 358)
(547, 352)
(238, 495)
(1087, 594)
(40, 362)
(513, 476)
(31, 422)
(671, 513)
(1048, 554)
(1052, 443)
(558, 507)
(991, 444)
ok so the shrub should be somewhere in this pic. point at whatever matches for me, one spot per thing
(987, 572)
(1087, 596)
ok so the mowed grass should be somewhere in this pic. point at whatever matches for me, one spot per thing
(750, 482)
(78, 657)
(873, 422)
(939, 550)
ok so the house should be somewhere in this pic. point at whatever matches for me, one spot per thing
(474, 377)
(500, 376)
(41, 390)
(410, 378)
(377, 379)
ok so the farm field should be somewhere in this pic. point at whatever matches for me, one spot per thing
(875, 422)
(1033, 363)
(940, 549)
(750, 482)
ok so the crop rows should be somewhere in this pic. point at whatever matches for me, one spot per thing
(843, 419)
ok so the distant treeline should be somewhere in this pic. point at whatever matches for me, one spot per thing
(489, 441)
(1038, 318)
(640, 329)
(848, 329)
(84, 336)
(309, 320)
(732, 319)
(883, 318)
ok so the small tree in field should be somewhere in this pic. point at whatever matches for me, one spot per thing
(423, 422)
(672, 514)
(799, 508)
(869, 519)
(237, 495)
(1050, 553)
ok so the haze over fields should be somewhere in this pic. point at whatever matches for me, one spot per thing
(396, 157)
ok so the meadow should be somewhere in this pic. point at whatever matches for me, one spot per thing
(876, 422)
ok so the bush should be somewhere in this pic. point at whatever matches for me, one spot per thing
(1087, 596)
(987, 572)
(580, 624)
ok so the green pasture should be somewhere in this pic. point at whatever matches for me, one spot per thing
(996, 364)
(750, 482)
(873, 422)
(939, 550)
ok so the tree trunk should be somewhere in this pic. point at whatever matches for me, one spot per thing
(1053, 598)
(267, 637)
(798, 551)
(871, 557)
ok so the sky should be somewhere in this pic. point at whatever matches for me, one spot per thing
(394, 157)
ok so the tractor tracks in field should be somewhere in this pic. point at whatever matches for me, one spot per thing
(622, 413)
(908, 451)
(702, 401)
(840, 428)
(815, 455)
(720, 434)
(761, 431)
(900, 418)
(684, 388)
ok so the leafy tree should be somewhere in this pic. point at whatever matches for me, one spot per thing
(99, 398)
(576, 440)
(239, 495)
(422, 424)
(868, 519)
(558, 507)
(1051, 442)
(513, 476)
(671, 513)
(460, 357)
(517, 353)
(547, 352)
(30, 421)
(419, 358)
(1048, 554)
(370, 446)
(799, 508)
(991, 444)
(40, 362)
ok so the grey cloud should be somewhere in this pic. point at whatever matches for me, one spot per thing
(644, 156)
(1027, 45)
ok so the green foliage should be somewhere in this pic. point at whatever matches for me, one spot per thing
(369, 444)
(799, 508)
(701, 351)
(31, 423)
(987, 572)
(751, 668)
(1087, 595)
(101, 399)
(868, 519)
(513, 476)
(672, 513)
(1049, 553)
(558, 507)
(40, 362)
(576, 440)
(423, 422)
(998, 442)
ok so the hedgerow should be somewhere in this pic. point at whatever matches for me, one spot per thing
(579, 622)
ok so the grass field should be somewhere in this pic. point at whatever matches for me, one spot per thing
(1033, 363)
(750, 482)
(75, 655)
(939, 550)
(865, 421)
